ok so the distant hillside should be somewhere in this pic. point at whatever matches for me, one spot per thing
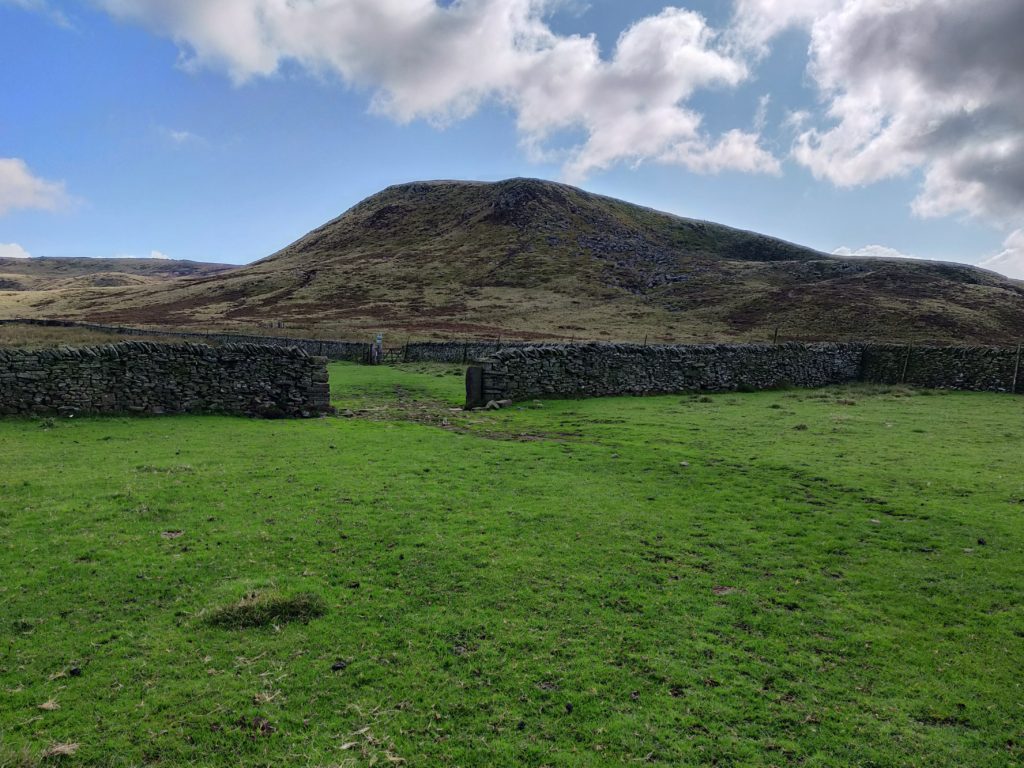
(44, 274)
(532, 259)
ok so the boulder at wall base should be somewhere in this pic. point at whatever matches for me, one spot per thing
(494, 405)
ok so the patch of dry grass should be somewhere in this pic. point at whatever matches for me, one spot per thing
(61, 749)
(39, 337)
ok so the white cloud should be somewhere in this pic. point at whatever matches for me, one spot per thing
(423, 60)
(874, 251)
(761, 116)
(41, 6)
(756, 22)
(19, 188)
(630, 105)
(151, 255)
(13, 251)
(181, 137)
(1010, 261)
(930, 86)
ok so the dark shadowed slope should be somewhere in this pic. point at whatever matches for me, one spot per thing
(537, 259)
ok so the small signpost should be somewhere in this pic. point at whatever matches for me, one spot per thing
(1016, 371)
(377, 350)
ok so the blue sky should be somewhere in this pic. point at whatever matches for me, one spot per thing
(128, 128)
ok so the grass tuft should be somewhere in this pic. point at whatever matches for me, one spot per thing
(267, 608)
(23, 758)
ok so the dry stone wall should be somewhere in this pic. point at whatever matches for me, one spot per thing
(589, 370)
(989, 369)
(143, 377)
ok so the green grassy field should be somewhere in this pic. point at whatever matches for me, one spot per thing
(803, 578)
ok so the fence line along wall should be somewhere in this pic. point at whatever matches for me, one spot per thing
(989, 369)
(333, 349)
(352, 351)
(588, 370)
(143, 377)
(459, 351)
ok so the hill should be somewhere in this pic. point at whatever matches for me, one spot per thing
(535, 259)
(55, 273)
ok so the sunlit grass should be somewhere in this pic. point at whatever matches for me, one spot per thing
(812, 578)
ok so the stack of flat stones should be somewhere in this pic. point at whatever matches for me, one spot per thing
(144, 377)
(591, 370)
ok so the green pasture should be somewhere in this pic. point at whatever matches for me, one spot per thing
(794, 578)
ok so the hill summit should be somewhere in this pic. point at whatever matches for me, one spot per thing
(536, 259)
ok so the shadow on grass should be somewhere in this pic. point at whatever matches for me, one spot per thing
(263, 609)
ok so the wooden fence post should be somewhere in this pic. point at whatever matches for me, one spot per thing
(1016, 371)
(906, 362)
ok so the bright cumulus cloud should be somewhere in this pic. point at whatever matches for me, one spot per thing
(21, 189)
(13, 251)
(929, 86)
(441, 62)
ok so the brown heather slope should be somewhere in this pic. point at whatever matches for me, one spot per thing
(56, 273)
(534, 259)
